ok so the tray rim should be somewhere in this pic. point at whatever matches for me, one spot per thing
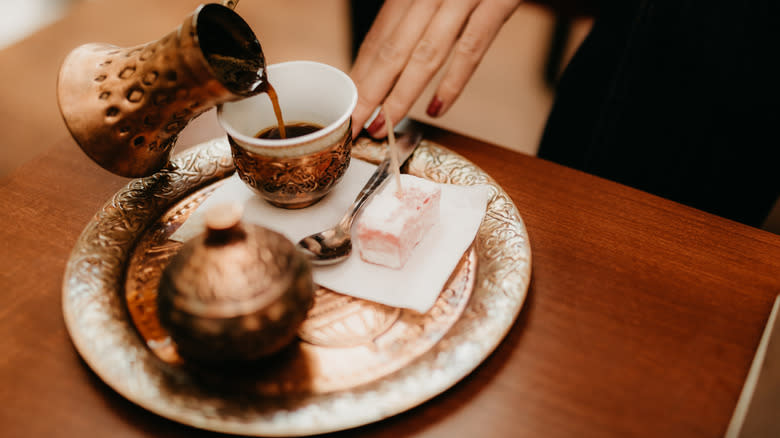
(91, 289)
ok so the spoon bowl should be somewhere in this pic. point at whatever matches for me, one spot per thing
(329, 246)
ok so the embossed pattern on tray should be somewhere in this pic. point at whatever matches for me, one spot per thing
(105, 336)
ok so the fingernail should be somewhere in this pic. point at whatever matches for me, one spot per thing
(434, 107)
(376, 125)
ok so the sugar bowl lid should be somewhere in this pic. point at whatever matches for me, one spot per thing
(231, 270)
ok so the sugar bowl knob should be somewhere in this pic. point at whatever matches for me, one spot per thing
(236, 293)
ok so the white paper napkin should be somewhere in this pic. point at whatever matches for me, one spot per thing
(416, 286)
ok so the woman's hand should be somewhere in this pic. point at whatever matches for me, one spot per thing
(409, 42)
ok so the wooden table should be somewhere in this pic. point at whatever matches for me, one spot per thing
(641, 320)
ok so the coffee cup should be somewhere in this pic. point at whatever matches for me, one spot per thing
(299, 170)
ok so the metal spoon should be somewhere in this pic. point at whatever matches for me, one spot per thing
(335, 244)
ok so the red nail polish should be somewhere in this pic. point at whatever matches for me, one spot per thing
(434, 107)
(377, 124)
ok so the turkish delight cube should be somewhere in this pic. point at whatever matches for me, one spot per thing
(392, 224)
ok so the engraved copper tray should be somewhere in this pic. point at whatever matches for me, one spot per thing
(355, 362)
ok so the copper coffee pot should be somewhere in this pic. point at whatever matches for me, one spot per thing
(125, 107)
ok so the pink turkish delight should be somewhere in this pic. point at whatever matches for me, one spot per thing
(391, 226)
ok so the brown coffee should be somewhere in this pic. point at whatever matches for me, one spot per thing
(278, 112)
(295, 129)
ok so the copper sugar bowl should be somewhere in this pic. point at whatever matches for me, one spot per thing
(234, 294)
(125, 107)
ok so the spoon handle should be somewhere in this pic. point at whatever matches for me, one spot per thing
(376, 180)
